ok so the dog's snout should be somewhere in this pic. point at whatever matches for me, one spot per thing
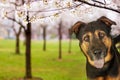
(97, 52)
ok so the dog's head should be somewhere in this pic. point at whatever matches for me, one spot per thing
(95, 40)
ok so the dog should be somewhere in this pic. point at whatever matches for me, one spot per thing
(97, 44)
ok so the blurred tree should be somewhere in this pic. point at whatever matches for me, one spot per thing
(28, 49)
(70, 40)
(44, 27)
(44, 38)
(27, 30)
(17, 34)
(60, 39)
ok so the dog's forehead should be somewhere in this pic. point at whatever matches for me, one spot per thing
(93, 26)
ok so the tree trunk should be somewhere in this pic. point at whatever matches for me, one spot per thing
(28, 50)
(44, 38)
(70, 41)
(17, 50)
(60, 42)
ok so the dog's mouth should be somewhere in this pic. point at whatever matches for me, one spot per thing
(99, 63)
(99, 58)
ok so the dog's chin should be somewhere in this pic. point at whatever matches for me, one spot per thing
(99, 63)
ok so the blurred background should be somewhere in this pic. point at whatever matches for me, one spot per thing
(35, 38)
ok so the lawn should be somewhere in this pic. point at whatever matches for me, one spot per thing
(45, 64)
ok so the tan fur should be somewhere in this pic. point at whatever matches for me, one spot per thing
(107, 78)
(84, 46)
(99, 78)
(108, 42)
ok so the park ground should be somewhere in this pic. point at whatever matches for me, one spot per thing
(45, 64)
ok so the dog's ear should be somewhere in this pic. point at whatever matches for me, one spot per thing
(107, 21)
(75, 28)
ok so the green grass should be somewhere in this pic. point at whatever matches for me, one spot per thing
(44, 64)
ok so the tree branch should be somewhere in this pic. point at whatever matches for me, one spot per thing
(99, 2)
(20, 29)
(58, 9)
(14, 29)
(15, 4)
(16, 22)
(95, 5)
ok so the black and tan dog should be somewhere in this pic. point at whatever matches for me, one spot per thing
(103, 59)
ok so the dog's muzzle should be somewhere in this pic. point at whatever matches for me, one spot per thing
(98, 57)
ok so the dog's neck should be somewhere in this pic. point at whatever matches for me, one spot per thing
(110, 67)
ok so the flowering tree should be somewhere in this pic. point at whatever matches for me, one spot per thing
(26, 14)
(44, 28)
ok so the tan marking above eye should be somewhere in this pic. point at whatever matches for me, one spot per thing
(100, 33)
(86, 37)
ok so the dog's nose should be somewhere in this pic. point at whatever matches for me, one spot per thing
(97, 52)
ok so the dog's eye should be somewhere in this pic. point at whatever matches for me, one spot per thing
(86, 38)
(101, 34)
